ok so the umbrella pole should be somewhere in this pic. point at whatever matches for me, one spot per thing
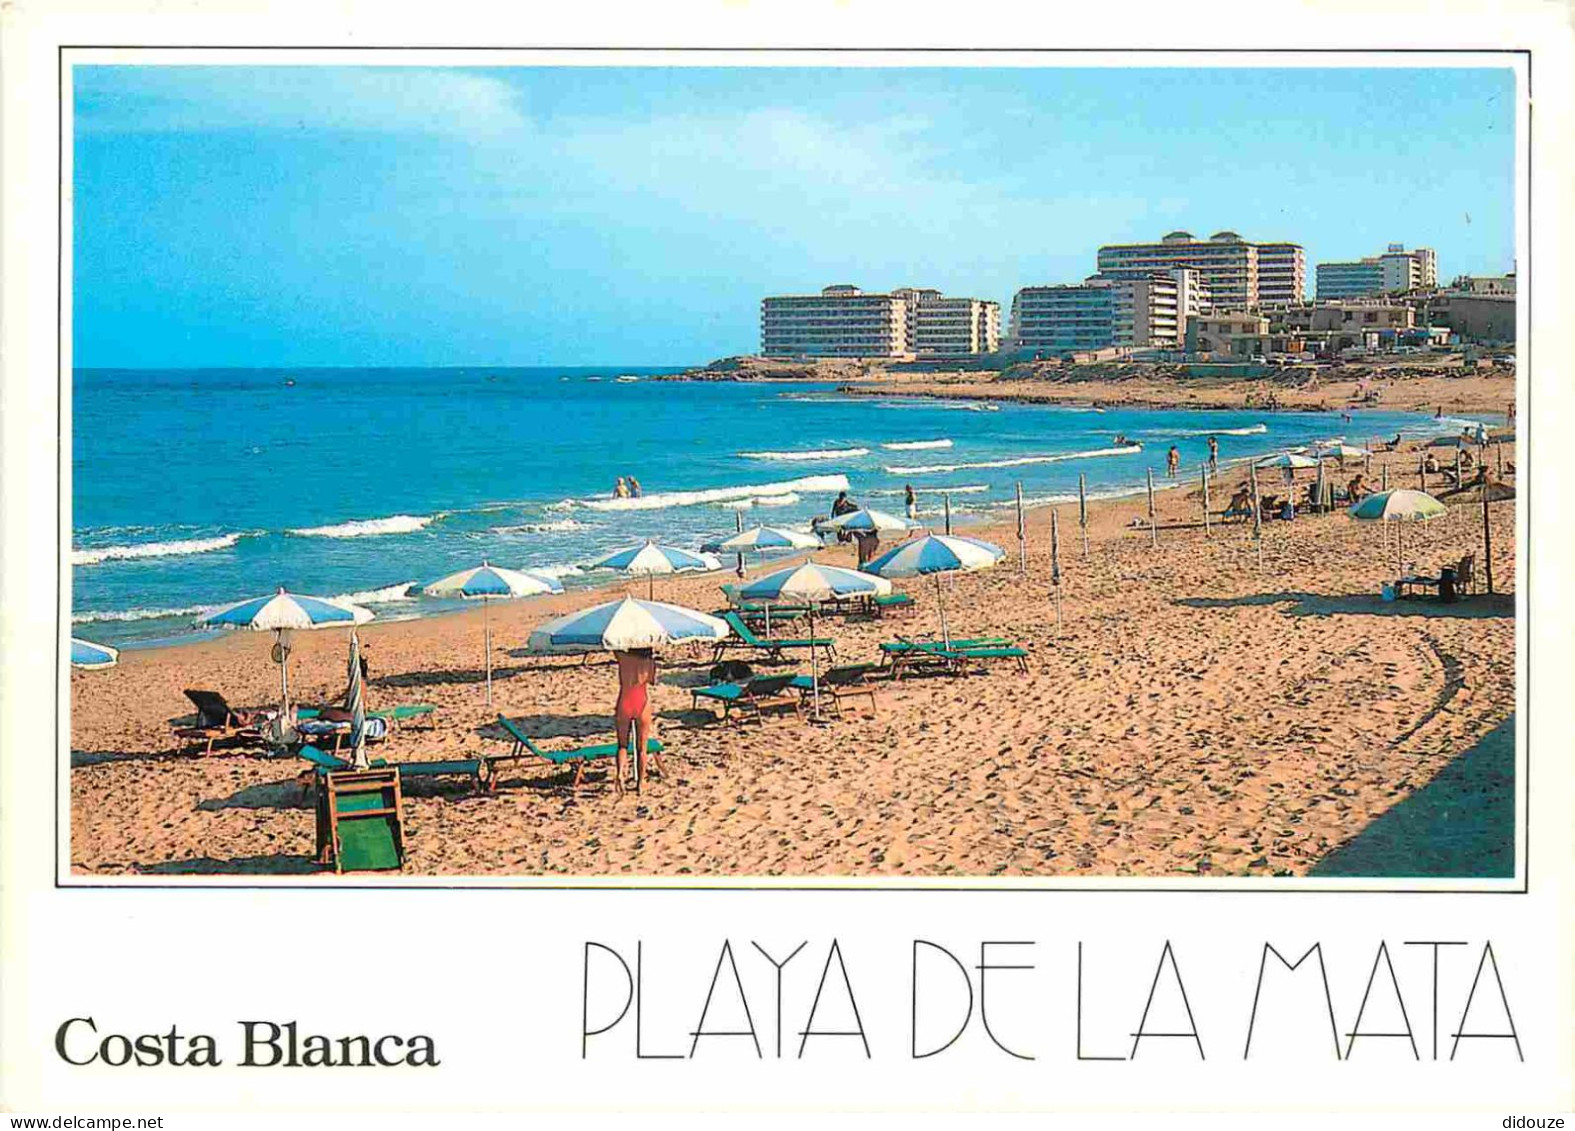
(1153, 527)
(284, 671)
(940, 601)
(1203, 473)
(1022, 535)
(1082, 510)
(814, 665)
(486, 631)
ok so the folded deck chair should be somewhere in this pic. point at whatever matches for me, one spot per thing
(580, 756)
(845, 682)
(360, 821)
(217, 721)
(752, 695)
(957, 659)
(891, 649)
(774, 647)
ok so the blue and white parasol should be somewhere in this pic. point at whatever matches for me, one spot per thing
(618, 626)
(88, 656)
(864, 519)
(488, 582)
(935, 554)
(758, 539)
(650, 558)
(281, 613)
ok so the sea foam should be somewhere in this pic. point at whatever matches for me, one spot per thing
(99, 554)
(383, 596)
(556, 526)
(664, 499)
(1018, 461)
(915, 445)
(138, 614)
(816, 454)
(368, 527)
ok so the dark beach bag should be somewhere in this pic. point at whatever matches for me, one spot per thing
(731, 671)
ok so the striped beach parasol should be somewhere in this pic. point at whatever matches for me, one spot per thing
(937, 554)
(625, 624)
(865, 519)
(488, 582)
(1398, 506)
(761, 539)
(89, 656)
(650, 558)
(281, 613)
(355, 703)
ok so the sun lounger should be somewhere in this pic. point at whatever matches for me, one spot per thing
(774, 647)
(845, 682)
(957, 659)
(891, 649)
(392, 715)
(317, 730)
(218, 722)
(324, 762)
(752, 695)
(580, 755)
(360, 821)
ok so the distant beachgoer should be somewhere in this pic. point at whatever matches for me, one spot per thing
(1214, 454)
(1357, 489)
(1439, 415)
(842, 505)
(1172, 461)
(635, 490)
(912, 501)
(621, 489)
(1430, 464)
(1121, 440)
(632, 713)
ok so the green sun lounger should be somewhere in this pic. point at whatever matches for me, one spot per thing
(957, 659)
(893, 648)
(477, 769)
(580, 755)
(773, 647)
(360, 821)
(392, 715)
(752, 695)
(845, 682)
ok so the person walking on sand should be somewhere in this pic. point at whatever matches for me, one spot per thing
(1172, 461)
(632, 713)
(1214, 455)
(912, 501)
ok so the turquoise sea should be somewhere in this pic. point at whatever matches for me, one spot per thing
(192, 488)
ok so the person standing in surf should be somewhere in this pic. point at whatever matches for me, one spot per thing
(912, 502)
(1214, 455)
(1172, 462)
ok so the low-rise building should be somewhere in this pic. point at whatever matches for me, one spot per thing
(1215, 333)
(1485, 284)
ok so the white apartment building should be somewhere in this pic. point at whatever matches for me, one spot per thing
(1231, 267)
(1395, 270)
(843, 321)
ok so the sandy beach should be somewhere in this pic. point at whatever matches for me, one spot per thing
(1194, 713)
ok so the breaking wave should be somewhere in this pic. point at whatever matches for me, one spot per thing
(915, 445)
(138, 614)
(816, 454)
(897, 492)
(153, 550)
(368, 527)
(662, 500)
(786, 500)
(1249, 430)
(556, 570)
(1018, 461)
(383, 596)
(556, 526)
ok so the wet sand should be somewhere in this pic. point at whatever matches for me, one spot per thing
(1194, 713)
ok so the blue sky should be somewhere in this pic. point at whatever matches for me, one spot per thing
(582, 215)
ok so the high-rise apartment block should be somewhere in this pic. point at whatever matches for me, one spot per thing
(1394, 271)
(1134, 311)
(1234, 270)
(843, 321)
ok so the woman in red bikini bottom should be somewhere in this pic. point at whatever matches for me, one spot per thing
(636, 672)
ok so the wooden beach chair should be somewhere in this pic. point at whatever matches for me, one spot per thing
(849, 681)
(360, 821)
(218, 722)
(773, 648)
(581, 756)
(754, 695)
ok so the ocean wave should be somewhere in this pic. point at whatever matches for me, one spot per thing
(383, 596)
(817, 454)
(556, 526)
(556, 570)
(915, 445)
(929, 402)
(664, 499)
(95, 555)
(368, 527)
(1249, 430)
(138, 614)
(786, 500)
(1017, 461)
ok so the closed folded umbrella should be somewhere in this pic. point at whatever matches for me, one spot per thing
(282, 613)
(488, 582)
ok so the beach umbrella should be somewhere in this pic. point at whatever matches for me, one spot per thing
(355, 703)
(650, 558)
(812, 583)
(1400, 506)
(866, 519)
(760, 539)
(937, 554)
(1483, 491)
(1338, 449)
(1288, 461)
(282, 613)
(486, 583)
(625, 624)
(89, 656)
